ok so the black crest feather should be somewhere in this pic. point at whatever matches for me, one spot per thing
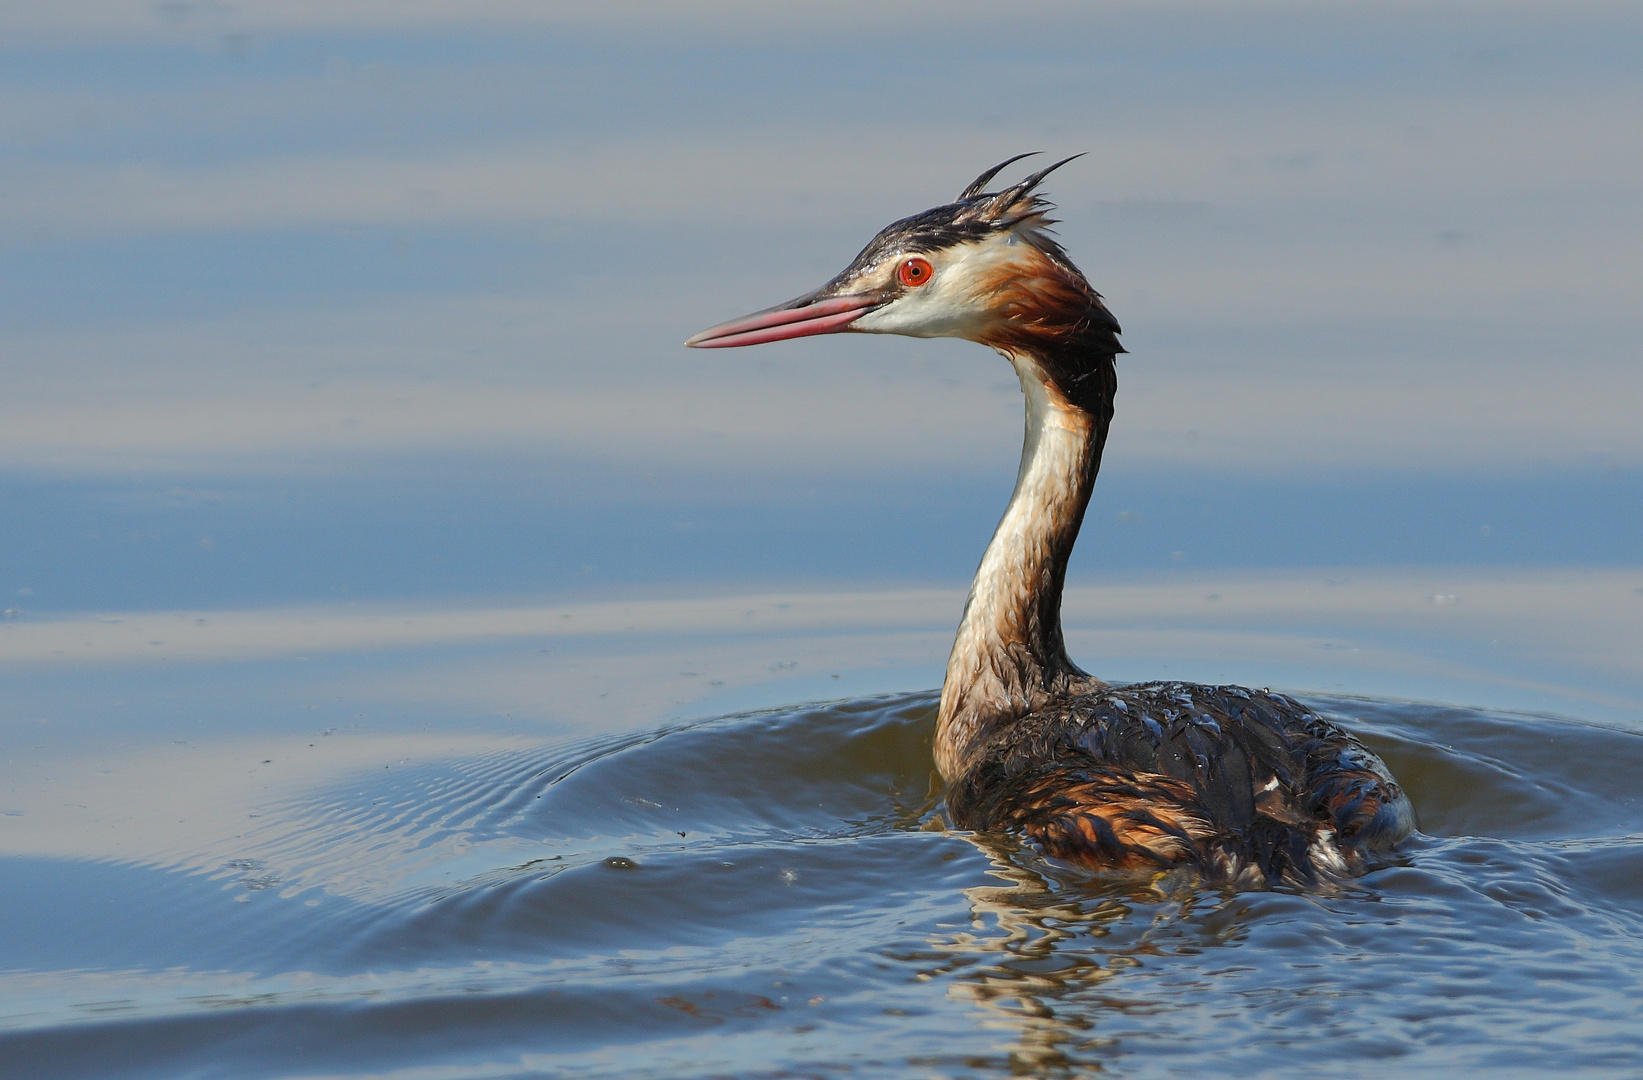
(979, 184)
(1012, 197)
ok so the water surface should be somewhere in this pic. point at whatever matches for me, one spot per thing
(774, 893)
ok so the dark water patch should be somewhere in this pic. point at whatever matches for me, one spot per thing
(774, 895)
(573, 525)
(109, 916)
(1509, 776)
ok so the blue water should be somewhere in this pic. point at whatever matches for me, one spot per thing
(774, 893)
(492, 529)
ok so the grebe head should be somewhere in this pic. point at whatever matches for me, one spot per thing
(982, 267)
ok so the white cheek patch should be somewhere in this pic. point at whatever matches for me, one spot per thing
(922, 314)
(956, 301)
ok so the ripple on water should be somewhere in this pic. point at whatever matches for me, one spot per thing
(773, 894)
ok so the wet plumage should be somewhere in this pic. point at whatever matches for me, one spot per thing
(1238, 785)
(1241, 785)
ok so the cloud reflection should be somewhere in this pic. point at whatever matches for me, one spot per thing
(1338, 247)
(1559, 639)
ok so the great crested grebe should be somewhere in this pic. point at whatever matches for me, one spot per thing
(1245, 786)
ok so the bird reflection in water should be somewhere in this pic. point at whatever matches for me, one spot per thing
(1044, 954)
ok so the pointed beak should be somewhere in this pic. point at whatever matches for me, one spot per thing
(796, 318)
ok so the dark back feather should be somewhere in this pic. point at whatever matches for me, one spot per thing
(1256, 775)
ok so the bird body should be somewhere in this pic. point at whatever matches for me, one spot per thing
(1239, 785)
(1245, 786)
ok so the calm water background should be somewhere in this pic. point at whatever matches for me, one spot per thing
(363, 523)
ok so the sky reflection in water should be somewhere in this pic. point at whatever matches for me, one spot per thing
(345, 392)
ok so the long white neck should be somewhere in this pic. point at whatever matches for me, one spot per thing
(1009, 658)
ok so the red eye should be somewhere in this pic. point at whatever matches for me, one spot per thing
(915, 272)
